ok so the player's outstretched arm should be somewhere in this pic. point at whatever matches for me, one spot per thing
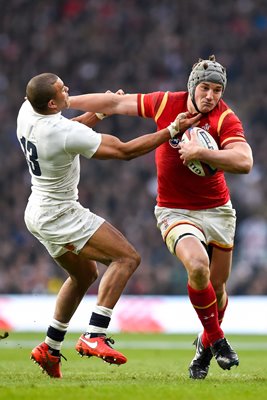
(112, 148)
(107, 103)
(90, 118)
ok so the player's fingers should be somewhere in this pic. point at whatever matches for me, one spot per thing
(196, 118)
(120, 92)
(194, 121)
(182, 115)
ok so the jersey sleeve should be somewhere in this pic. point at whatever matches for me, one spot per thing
(149, 104)
(231, 130)
(81, 139)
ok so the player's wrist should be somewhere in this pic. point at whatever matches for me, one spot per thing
(101, 116)
(173, 129)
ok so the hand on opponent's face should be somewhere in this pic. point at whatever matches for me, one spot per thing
(183, 121)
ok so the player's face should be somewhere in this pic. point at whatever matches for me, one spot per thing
(207, 95)
(62, 95)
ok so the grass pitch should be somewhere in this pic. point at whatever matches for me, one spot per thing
(157, 369)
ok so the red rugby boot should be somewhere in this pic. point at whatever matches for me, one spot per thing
(99, 346)
(50, 364)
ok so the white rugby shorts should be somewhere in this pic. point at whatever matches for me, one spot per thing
(213, 226)
(63, 227)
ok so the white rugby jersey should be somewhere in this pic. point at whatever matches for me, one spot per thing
(52, 145)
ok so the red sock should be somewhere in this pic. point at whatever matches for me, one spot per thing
(204, 338)
(205, 303)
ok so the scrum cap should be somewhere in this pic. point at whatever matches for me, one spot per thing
(206, 71)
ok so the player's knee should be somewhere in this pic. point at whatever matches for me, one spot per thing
(198, 271)
(133, 261)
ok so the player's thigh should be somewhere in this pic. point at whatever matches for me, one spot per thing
(108, 244)
(192, 253)
(187, 242)
(220, 266)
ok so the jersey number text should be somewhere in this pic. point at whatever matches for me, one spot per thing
(31, 155)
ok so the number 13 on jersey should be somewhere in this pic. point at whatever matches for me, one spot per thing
(31, 155)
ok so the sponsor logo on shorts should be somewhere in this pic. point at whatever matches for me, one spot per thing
(165, 223)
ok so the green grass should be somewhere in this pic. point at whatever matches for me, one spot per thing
(156, 370)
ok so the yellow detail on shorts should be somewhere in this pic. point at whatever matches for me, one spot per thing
(222, 247)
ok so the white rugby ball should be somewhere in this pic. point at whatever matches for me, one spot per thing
(207, 141)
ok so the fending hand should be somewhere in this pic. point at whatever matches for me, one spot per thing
(119, 92)
(182, 123)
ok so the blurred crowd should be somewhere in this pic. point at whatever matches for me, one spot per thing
(140, 46)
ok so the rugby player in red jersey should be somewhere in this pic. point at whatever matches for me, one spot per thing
(194, 214)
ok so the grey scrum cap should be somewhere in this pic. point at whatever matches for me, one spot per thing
(206, 71)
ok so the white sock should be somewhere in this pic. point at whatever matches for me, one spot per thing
(60, 326)
(105, 312)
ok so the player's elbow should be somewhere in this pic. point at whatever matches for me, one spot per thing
(247, 165)
(247, 169)
(244, 162)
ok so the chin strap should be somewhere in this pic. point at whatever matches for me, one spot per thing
(194, 102)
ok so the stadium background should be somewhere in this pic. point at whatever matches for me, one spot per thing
(140, 46)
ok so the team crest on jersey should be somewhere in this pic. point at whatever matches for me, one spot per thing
(174, 142)
(206, 127)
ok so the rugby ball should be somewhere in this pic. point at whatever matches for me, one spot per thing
(207, 141)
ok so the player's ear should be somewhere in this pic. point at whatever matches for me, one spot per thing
(52, 104)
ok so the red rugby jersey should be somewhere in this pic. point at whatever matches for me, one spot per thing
(178, 187)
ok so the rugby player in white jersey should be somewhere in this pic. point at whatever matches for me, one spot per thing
(74, 236)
